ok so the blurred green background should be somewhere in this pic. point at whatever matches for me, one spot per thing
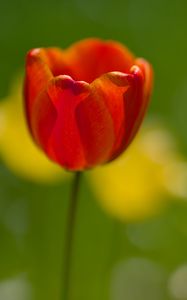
(134, 261)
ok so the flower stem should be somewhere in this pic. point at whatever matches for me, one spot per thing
(70, 233)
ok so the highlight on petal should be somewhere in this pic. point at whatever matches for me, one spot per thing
(17, 149)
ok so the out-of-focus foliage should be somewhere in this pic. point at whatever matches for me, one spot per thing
(111, 261)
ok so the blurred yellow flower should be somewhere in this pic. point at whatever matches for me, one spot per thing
(17, 149)
(137, 184)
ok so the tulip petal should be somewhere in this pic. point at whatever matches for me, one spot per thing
(64, 142)
(147, 70)
(142, 77)
(90, 58)
(38, 75)
(136, 102)
(43, 120)
(57, 61)
(96, 127)
(53, 122)
(112, 87)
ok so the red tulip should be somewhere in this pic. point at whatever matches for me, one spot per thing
(85, 104)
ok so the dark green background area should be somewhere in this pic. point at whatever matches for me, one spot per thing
(156, 30)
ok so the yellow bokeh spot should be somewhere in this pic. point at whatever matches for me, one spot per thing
(17, 148)
(136, 185)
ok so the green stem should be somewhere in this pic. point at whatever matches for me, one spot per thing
(70, 234)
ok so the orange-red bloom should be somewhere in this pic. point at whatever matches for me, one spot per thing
(85, 104)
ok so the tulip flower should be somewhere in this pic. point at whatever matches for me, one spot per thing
(85, 104)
